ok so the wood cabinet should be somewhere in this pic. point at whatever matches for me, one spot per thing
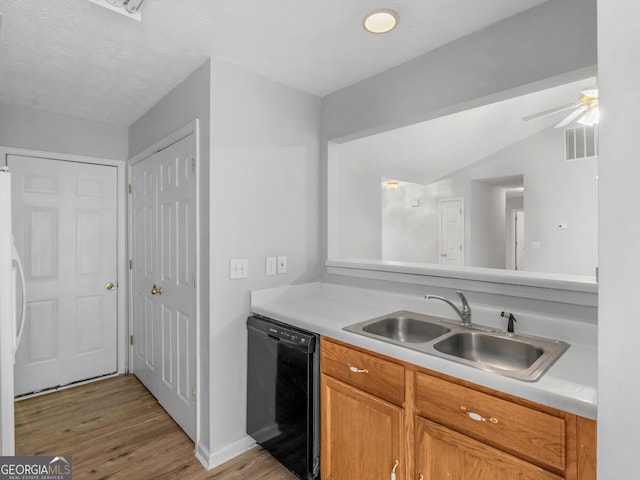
(376, 410)
(531, 434)
(442, 453)
(362, 434)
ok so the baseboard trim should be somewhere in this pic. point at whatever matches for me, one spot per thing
(212, 459)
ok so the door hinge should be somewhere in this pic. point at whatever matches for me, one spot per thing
(130, 188)
(193, 280)
(193, 394)
(130, 264)
(131, 340)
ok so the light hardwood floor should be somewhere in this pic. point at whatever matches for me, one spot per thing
(115, 429)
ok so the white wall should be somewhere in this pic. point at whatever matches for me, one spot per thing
(556, 191)
(619, 320)
(485, 210)
(409, 224)
(265, 201)
(34, 130)
(359, 221)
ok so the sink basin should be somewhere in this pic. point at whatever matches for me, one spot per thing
(405, 328)
(523, 357)
(501, 352)
(402, 328)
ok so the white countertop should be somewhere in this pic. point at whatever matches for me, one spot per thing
(570, 384)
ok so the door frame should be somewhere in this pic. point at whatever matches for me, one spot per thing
(191, 128)
(511, 241)
(121, 252)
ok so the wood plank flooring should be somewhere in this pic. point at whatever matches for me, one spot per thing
(115, 429)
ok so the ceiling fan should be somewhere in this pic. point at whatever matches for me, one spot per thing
(585, 111)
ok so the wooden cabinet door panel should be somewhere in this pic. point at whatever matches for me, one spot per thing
(442, 453)
(361, 434)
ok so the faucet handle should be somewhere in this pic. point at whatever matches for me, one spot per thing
(465, 305)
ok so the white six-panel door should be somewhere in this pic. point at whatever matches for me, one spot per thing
(163, 278)
(65, 228)
(451, 232)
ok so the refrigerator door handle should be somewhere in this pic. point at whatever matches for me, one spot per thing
(16, 259)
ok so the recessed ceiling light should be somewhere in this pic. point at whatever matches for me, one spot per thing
(380, 21)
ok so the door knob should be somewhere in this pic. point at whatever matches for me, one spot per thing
(156, 290)
(110, 286)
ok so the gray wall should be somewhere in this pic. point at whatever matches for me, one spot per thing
(555, 38)
(619, 322)
(265, 201)
(185, 103)
(34, 130)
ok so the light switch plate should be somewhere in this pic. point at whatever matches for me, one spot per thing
(282, 264)
(270, 266)
(238, 268)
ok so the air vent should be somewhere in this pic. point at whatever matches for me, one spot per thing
(580, 142)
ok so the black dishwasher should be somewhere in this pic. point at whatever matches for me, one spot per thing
(283, 394)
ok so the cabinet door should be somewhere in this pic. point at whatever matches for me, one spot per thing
(442, 453)
(361, 434)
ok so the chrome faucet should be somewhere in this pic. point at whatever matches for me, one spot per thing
(465, 314)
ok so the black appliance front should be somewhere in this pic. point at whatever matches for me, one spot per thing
(283, 395)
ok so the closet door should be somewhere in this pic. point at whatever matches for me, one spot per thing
(163, 278)
(65, 228)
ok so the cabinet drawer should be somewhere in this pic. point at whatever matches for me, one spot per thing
(367, 372)
(528, 433)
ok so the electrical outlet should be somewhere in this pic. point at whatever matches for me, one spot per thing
(282, 264)
(270, 266)
(238, 268)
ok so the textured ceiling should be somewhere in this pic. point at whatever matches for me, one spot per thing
(78, 59)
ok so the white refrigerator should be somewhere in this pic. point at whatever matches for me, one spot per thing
(12, 311)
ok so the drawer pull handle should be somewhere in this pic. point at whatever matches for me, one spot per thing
(393, 472)
(477, 417)
(421, 477)
(358, 370)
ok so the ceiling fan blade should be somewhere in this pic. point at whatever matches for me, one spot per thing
(551, 111)
(572, 116)
(590, 117)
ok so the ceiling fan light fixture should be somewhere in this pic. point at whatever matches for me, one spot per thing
(380, 21)
(133, 6)
(128, 8)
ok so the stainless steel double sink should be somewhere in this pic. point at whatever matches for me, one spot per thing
(522, 357)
